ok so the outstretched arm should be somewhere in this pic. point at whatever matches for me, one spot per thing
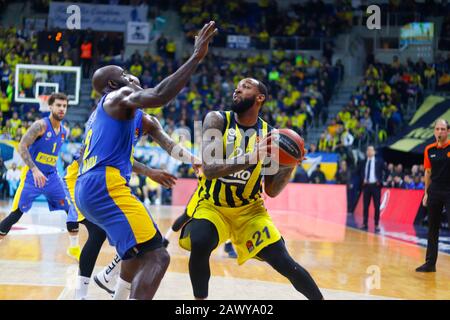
(167, 89)
(160, 176)
(152, 126)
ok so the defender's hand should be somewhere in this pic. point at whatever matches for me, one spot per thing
(203, 38)
(162, 177)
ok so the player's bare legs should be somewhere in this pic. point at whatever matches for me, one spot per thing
(145, 272)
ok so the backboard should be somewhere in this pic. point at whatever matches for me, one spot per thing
(33, 81)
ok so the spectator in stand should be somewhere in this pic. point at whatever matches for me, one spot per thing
(415, 171)
(397, 182)
(86, 57)
(317, 176)
(15, 121)
(171, 48)
(13, 178)
(398, 170)
(5, 105)
(419, 183)
(408, 183)
(135, 186)
(161, 44)
(301, 176)
(76, 133)
(136, 68)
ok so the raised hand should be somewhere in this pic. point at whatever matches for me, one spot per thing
(203, 38)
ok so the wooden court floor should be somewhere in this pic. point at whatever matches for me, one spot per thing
(346, 263)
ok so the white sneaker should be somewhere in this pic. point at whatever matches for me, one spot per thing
(101, 281)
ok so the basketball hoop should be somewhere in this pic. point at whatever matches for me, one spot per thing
(43, 103)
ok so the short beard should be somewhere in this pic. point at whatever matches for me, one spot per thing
(243, 105)
(56, 117)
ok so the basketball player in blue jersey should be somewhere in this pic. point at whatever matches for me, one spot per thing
(228, 202)
(39, 149)
(144, 124)
(102, 193)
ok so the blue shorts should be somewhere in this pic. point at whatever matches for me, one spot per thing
(27, 192)
(105, 199)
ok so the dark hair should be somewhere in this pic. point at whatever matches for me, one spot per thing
(263, 90)
(56, 95)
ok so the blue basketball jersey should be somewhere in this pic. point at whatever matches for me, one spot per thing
(44, 151)
(109, 143)
(137, 132)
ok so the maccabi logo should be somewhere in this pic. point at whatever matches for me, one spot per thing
(374, 18)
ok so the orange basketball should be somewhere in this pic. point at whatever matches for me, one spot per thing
(290, 145)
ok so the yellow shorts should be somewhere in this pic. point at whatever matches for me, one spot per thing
(249, 227)
(106, 200)
(70, 180)
(192, 204)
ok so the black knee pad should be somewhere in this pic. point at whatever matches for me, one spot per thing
(72, 226)
(180, 222)
(204, 235)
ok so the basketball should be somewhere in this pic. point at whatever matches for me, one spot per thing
(198, 135)
(291, 147)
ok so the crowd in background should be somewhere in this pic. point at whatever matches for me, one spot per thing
(300, 86)
(264, 19)
(379, 105)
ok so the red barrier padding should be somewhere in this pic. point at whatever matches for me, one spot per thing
(302, 211)
(397, 206)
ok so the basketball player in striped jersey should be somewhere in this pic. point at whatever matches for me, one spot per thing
(229, 203)
(39, 149)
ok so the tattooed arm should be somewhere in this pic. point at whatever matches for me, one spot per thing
(274, 184)
(36, 130)
(212, 150)
(152, 126)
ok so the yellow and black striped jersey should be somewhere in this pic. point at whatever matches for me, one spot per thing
(242, 187)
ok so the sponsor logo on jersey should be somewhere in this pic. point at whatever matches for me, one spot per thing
(249, 245)
(240, 177)
(46, 159)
